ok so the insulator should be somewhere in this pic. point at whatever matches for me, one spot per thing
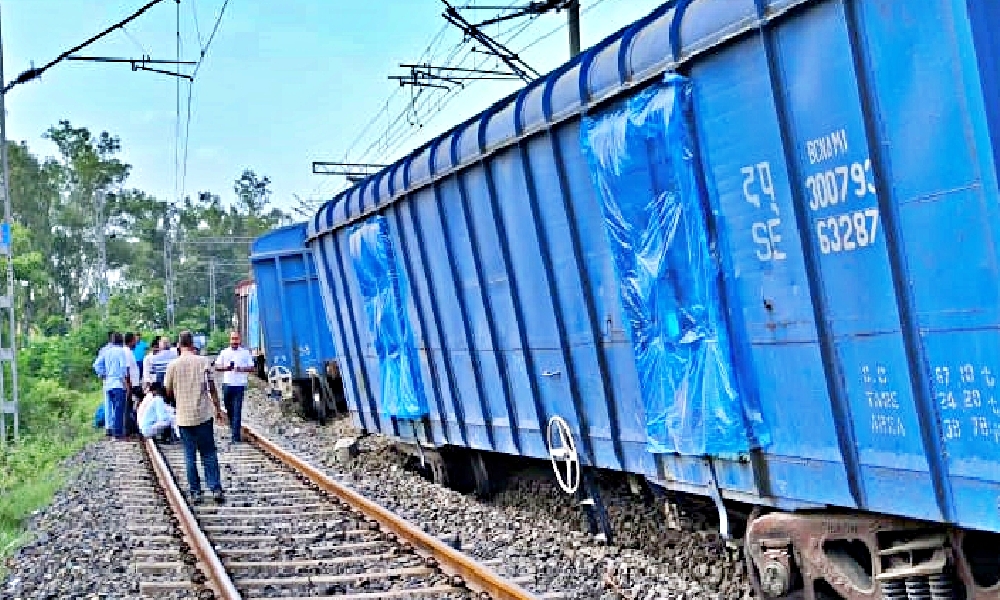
(893, 590)
(942, 586)
(918, 588)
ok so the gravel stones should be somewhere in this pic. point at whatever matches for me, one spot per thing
(529, 531)
(80, 545)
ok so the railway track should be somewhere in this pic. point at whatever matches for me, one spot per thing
(286, 530)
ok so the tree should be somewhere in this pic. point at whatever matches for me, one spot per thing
(57, 234)
(88, 167)
(252, 193)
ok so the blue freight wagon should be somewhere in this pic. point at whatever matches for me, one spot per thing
(746, 249)
(298, 344)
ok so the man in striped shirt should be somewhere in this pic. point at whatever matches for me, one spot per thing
(156, 369)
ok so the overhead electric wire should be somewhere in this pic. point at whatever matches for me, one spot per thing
(132, 38)
(398, 133)
(203, 52)
(34, 73)
(215, 29)
(177, 127)
(194, 13)
(426, 105)
(561, 27)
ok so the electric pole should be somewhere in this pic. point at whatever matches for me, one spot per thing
(573, 22)
(100, 226)
(211, 283)
(168, 265)
(9, 354)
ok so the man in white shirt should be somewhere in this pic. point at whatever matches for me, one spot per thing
(133, 395)
(154, 416)
(234, 362)
(107, 403)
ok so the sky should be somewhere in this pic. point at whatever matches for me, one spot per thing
(282, 84)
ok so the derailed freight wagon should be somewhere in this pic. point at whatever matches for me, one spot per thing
(745, 249)
(301, 363)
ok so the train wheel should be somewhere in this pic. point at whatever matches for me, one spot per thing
(776, 580)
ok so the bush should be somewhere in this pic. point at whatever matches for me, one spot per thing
(56, 426)
(217, 341)
(58, 396)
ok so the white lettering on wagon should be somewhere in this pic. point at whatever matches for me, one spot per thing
(849, 188)
(967, 403)
(757, 182)
(883, 401)
(829, 146)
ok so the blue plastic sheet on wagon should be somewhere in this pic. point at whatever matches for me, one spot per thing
(642, 161)
(383, 287)
(253, 321)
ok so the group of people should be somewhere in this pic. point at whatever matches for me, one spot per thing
(170, 392)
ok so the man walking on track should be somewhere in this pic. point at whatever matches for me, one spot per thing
(112, 365)
(186, 380)
(235, 362)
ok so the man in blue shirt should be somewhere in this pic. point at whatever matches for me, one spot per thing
(112, 365)
(139, 351)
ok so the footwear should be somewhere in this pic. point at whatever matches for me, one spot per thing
(196, 497)
(219, 497)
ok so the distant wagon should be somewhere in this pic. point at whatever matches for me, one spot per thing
(746, 249)
(298, 343)
(247, 323)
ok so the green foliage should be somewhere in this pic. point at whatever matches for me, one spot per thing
(55, 203)
(57, 426)
(217, 341)
(58, 396)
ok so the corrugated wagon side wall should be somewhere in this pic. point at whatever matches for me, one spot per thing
(505, 289)
(847, 152)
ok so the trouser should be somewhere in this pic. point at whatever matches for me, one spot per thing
(131, 420)
(232, 397)
(200, 439)
(107, 414)
(115, 413)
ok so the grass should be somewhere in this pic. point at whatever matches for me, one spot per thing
(31, 470)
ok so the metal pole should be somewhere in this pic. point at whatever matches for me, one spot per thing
(102, 253)
(573, 18)
(168, 266)
(211, 283)
(7, 219)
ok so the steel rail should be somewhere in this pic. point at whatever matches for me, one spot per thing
(476, 576)
(202, 548)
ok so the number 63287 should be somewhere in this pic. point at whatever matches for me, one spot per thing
(848, 231)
